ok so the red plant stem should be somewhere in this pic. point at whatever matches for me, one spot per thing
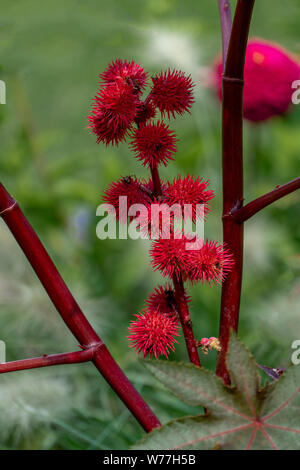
(156, 181)
(183, 309)
(185, 320)
(247, 211)
(226, 25)
(146, 191)
(47, 361)
(233, 82)
(70, 310)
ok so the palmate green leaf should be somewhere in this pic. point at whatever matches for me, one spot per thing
(197, 433)
(243, 371)
(241, 417)
(199, 387)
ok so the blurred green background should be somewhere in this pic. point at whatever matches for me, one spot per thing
(50, 56)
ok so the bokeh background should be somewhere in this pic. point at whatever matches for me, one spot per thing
(50, 56)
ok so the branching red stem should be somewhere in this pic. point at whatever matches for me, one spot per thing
(156, 182)
(233, 81)
(185, 320)
(47, 361)
(226, 25)
(183, 309)
(70, 310)
(246, 212)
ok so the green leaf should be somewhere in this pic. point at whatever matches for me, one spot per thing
(280, 412)
(243, 371)
(196, 433)
(241, 417)
(198, 387)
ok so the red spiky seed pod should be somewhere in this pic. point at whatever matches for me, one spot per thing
(172, 92)
(154, 143)
(153, 333)
(157, 221)
(211, 263)
(146, 111)
(113, 112)
(162, 299)
(130, 72)
(189, 190)
(172, 256)
(119, 100)
(128, 186)
(101, 126)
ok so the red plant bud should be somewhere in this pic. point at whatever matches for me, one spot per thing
(153, 333)
(172, 92)
(128, 186)
(189, 190)
(130, 72)
(146, 111)
(207, 344)
(162, 300)
(154, 143)
(172, 256)
(157, 221)
(101, 125)
(211, 263)
(113, 112)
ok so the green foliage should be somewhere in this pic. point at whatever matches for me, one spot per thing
(242, 417)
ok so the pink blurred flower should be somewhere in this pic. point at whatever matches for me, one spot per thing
(270, 71)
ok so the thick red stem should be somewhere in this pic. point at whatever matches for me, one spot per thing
(226, 25)
(185, 320)
(47, 361)
(70, 310)
(183, 310)
(233, 81)
(156, 181)
(247, 211)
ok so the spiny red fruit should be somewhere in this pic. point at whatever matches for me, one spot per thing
(128, 186)
(113, 112)
(130, 72)
(155, 221)
(162, 300)
(270, 71)
(172, 92)
(154, 143)
(101, 125)
(211, 263)
(172, 256)
(189, 190)
(158, 220)
(146, 111)
(153, 333)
